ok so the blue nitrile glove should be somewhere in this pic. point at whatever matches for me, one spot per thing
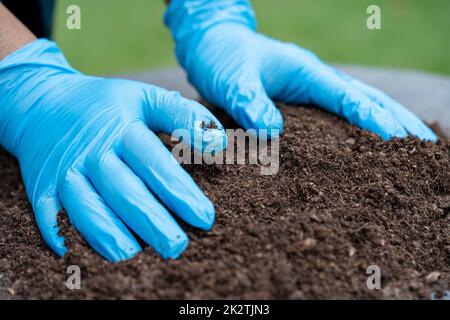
(88, 145)
(240, 70)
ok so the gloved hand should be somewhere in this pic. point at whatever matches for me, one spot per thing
(88, 145)
(240, 70)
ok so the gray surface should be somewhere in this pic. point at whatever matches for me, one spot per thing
(426, 94)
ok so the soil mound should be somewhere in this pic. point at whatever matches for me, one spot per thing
(342, 200)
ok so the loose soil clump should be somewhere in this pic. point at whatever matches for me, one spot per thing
(342, 200)
(209, 125)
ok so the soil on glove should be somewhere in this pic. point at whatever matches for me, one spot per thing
(342, 200)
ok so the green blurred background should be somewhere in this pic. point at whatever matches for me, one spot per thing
(120, 36)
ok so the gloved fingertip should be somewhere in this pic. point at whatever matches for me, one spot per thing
(46, 214)
(261, 114)
(388, 129)
(55, 241)
(429, 136)
(58, 246)
(122, 254)
(209, 137)
(396, 133)
(275, 128)
(175, 247)
(115, 246)
(425, 133)
(199, 212)
(207, 216)
(368, 115)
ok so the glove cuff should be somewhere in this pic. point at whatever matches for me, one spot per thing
(38, 53)
(190, 19)
(21, 73)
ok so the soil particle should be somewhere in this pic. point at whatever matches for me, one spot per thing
(209, 125)
(342, 200)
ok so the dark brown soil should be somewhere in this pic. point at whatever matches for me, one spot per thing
(342, 200)
(210, 125)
